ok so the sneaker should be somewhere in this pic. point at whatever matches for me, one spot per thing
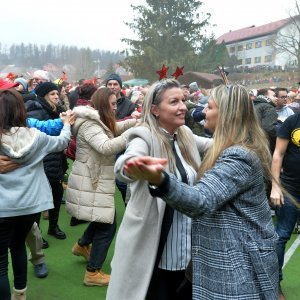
(41, 270)
(96, 278)
(84, 251)
(19, 294)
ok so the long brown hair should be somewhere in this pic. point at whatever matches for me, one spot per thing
(12, 111)
(100, 100)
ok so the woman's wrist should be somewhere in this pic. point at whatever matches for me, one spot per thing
(157, 181)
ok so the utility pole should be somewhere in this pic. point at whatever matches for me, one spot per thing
(98, 67)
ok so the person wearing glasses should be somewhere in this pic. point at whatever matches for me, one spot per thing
(283, 111)
(233, 236)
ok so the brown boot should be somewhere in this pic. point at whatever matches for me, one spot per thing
(96, 278)
(19, 294)
(281, 295)
(84, 251)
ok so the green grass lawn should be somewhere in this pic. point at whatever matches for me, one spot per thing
(66, 271)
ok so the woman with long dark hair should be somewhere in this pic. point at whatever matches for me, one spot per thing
(91, 185)
(25, 191)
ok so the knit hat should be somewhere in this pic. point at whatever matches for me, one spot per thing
(22, 82)
(114, 77)
(194, 87)
(45, 88)
(41, 74)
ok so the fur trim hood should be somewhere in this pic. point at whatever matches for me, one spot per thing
(83, 114)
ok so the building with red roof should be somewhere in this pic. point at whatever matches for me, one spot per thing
(253, 46)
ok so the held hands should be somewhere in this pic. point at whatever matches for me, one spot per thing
(68, 117)
(6, 165)
(136, 115)
(276, 196)
(146, 168)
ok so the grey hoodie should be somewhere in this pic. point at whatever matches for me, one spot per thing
(26, 190)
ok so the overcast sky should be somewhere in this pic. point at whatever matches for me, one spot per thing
(100, 24)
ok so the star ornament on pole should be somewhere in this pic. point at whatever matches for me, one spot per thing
(163, 72)
(178, 72)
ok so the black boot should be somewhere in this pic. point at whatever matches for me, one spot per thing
(56, 232)
(57, 192)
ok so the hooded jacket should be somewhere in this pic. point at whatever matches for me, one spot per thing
(26, 189)
(91, 184)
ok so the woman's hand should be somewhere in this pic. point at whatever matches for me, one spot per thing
(146, 168)
(6, 165)
(136, 115)
(276, 196)
(68, 117)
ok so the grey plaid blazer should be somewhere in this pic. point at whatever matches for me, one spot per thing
(233, 237)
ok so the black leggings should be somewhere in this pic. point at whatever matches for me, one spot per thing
(13, 232)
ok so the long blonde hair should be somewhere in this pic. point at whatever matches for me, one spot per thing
(237, 124)
(154, 97)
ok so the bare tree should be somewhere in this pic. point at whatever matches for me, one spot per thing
(287, 40)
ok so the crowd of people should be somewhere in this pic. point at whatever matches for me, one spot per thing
(200, 172)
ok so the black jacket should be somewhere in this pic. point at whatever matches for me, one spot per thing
(267, 116)
(124, 107)
(40, 109)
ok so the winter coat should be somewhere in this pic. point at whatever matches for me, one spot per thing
(267, 116)
(124, 107)
(91, 184)
(41, 110)
(26, 190)
(233, 236)
(50, 127)
(139, 233)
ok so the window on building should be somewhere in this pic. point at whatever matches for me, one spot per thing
(240, 62)
(268, 42)
(249, 46)
(232, 49)
(268, 58)
(240, 47)
(257, 60)
(248, 61)
(258, 44)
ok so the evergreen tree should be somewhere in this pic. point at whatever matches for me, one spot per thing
(169, 32)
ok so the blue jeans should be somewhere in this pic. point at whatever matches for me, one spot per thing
(287, 216)
(100, 235)
(13, 231)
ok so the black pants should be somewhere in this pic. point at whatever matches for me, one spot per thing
(100, 235)
(164, 286)
(13, 232)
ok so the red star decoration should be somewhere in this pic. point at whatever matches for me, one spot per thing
(11, 76)
(178, 72)
(163, 72)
